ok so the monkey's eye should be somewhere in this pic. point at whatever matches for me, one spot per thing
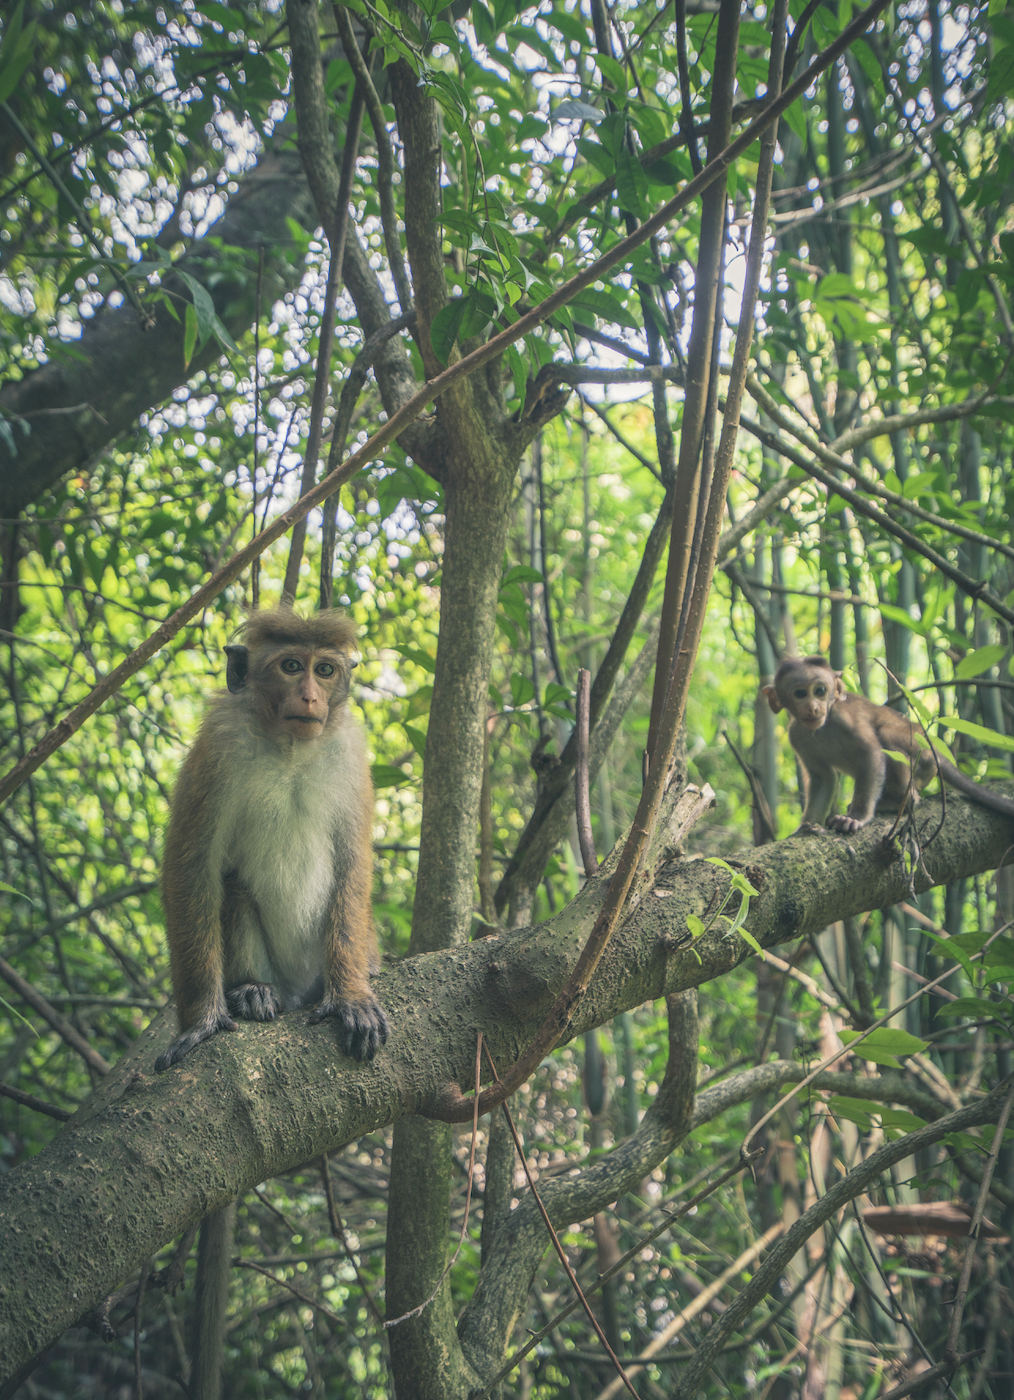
(820, 691)
(291, 666)
(799, 695)
(324, 668)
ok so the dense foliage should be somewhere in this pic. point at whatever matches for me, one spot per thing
(127, 477)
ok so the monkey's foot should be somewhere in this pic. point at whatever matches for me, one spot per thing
(810, 829)
(183, 1044)
(845, 824)
(253, 1001)
(362, 1025)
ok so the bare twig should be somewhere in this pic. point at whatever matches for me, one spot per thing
(951, 1348)
(414, 1312)
(413, 406)
(338, 1230)
(670, 1220)
(59, 1023)
(325, 339)
(8, 1091)
(584, 829)
(561, 1252)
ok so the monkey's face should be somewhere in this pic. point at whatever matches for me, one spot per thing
(304, 688)
(808, 699)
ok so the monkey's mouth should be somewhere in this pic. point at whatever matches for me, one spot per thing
(303, 719)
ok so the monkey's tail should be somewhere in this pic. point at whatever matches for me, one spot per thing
(972, 790)
(214, 1266)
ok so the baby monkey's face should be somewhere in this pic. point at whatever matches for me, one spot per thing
(809, 702)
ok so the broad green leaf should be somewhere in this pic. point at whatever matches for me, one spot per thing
(882, 1046)
(982, 659)
(521, 573)
(694, 925)
(606, 306)
(989, 737)
(189, 335)
(416, 738)
(445, 326)
(522, 690)
(421, 658)
(572, 110)
(385, 776)
(977, 1008)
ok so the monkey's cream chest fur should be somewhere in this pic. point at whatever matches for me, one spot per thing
(292, 818)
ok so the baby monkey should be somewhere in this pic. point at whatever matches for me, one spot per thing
(835, 732)
(268, 857)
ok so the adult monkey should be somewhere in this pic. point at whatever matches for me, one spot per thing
(835, 732)
(266, 878)
(268, 857)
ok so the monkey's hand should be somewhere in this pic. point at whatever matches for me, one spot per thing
(183, 1044)
(362, 1025)
(810, 829)
(846, 824)
(253, 1001)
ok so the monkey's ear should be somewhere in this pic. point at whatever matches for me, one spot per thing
(238, 659)
(839, 686)
(771, 695)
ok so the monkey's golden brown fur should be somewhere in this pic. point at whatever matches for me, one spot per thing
(268, 857)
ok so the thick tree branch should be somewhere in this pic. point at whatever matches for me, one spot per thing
(75, 407)
(146, 1150)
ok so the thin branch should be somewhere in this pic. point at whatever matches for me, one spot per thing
(986, 1110)
(958, 1307)
(581, 784)
(899, 422)
(413, 406)
(325, 340)
(688, 1208)
(561, 1252)
(8, 1091)
(63, 1027)
(697, 1305)
(975, 588)
(338, 1230)
(385, 157)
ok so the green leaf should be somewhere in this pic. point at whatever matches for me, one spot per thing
(632, 185)
(204, 307)
(521, 573)
(189, 335)
(977, 731)
(978, 1008)
(694, 925)
(883, 1045)
(572, 110)
(416, 738)
(522, 690)
(421, 658)
(748, 937)
(982, 659)
(613, 71)
(606, 306)
(9, 889)
(445, 326)
(385, 776)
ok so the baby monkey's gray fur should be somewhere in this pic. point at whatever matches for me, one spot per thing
(835, 732)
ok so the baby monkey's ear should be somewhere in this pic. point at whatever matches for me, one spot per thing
(771, 695)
